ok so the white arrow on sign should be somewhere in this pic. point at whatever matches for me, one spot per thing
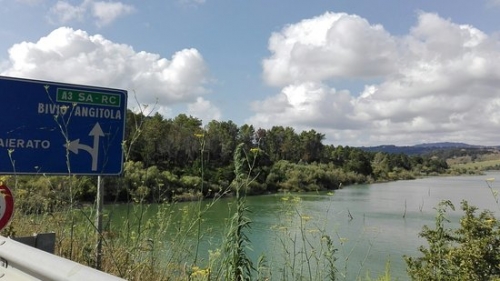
(75, 145)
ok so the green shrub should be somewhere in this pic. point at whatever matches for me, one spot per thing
(471, 252)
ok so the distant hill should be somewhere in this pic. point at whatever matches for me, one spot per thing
(447, 145)
(420, 149)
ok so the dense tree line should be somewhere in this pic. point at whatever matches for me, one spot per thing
(180, 159)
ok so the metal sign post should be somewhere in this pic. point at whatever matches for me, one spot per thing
(98, 223)
(55, 128)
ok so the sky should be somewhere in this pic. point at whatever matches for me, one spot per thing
(363, 73)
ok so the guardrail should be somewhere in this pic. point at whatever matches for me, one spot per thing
(22, 262)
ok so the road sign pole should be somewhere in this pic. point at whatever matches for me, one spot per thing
(99, 207)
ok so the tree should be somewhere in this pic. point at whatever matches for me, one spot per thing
(247, 136)
(221, 141)
(271, 142)
(185, 143)
(380, 164)
(133, 136)
(289, 149)
(154, 140)
(358, 162)
(435, 165)
(311, 146)
(339, 155)
(471, 252)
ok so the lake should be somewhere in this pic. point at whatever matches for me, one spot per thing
(371, 225)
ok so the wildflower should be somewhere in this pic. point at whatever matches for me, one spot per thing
(213, 255)
(199, 273)
(305, 218)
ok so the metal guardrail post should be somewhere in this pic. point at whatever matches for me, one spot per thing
(44, 266)
(42, 241)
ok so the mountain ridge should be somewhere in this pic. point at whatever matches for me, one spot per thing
(423, 148)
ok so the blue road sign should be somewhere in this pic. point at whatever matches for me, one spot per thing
(56, 128)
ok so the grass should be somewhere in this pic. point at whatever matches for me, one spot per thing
(482, 162)
(478, 165)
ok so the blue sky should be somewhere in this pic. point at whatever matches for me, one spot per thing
(361, 72)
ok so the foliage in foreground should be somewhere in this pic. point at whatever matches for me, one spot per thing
(138, 249)
(471, 252)
(135, 248)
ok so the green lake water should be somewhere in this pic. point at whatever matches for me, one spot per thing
(370, 224)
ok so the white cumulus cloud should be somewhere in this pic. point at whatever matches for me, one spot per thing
(73, 56)
(329, 46)
(64, 12)
(305, 105)
(439, 82)
(107, 12)
(103, 13)
(204, 110)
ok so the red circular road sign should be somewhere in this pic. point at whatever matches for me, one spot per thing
(6, 205)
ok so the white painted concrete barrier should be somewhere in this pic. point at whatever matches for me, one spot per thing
(22, 262)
